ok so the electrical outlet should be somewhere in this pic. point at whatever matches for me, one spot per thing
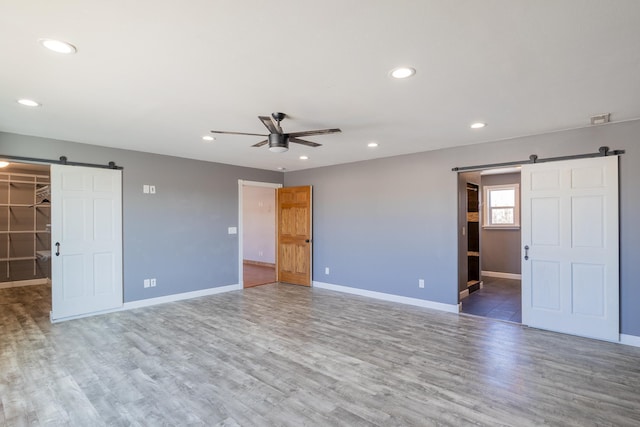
(326, 270)
(147, 283)
(260, 253)
(421, 283)
(153, 283)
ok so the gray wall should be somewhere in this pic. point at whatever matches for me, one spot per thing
(382, 224)
(500, 248)
(179, 235)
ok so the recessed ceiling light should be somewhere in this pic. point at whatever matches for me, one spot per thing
(4, 164)
(28, 102)
(304, 157)
(208, 138)
(372, 144)
(478, 125)
(58, 46)
(402, 72)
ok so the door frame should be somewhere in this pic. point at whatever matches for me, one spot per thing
(241, 184)
(48, 164)
(458, 231)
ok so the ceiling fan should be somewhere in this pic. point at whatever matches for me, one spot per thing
(278, 140)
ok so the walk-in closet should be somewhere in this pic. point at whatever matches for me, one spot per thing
(25, 224)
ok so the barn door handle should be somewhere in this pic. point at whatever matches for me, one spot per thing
(57, 248)
(526, 252)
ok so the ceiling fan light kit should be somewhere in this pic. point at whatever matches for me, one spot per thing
(278, 143)
(278, 140)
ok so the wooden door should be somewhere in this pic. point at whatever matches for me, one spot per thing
(86, 237)
(294, 235)
(570, 247)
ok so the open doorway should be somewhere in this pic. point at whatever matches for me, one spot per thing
(25, 225)
(258, 233)
(489, 241)
(79, 208)
(25, 241)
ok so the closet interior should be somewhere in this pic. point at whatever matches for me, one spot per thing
(25, 225)
(473, 237)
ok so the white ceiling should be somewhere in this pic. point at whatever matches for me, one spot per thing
(157, 75)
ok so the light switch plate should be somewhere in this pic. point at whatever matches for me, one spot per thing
(145, 189)
(152, 189)
(233, 230)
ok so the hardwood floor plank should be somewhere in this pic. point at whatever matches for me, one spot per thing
(292, 356)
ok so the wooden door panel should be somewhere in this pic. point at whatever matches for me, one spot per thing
(294, 235)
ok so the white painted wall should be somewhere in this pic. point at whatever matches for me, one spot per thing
(259, 224)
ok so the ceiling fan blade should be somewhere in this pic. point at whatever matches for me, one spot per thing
(261, 143)
(314, 132)
(237, 133)
(303, 142)
(266, 120)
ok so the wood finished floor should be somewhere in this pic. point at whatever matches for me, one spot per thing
(255, 275)
(286, 355)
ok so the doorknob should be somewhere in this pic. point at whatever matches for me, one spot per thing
(57, 248)
(307, 240)
(526, 252)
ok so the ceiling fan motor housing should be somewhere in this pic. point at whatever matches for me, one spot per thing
(278, 142)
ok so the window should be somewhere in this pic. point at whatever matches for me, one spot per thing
(502, 206)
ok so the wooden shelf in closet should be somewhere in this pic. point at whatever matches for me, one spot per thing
(24, 231)
(21, 258)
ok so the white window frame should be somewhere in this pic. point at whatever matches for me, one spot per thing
(486, 223)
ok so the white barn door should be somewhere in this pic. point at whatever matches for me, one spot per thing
(570, 247)
(86, 240)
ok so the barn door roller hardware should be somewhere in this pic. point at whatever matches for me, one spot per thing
(62, 161)
(602, 152)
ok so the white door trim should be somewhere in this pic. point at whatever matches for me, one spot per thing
(242, 183)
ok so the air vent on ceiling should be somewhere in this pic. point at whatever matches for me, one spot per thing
(601, 119)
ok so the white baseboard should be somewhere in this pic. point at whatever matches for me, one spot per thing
(464, 294)
(180, 297)
(502, 275)
(451, 308)
(19, 283)
(155, 301)
(631, 340)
